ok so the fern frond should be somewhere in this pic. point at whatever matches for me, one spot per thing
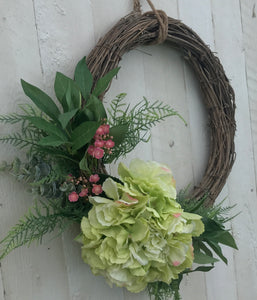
(11, 118)
(18, 140)
(39, 220)
(140, 119)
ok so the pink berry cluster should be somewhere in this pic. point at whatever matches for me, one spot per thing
(103, 142)
(84, 187)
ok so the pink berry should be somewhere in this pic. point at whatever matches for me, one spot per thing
(98, 153)
(91, 150)
(99, 143)
(83, 193)
(100, 130)
(97, 189)
(109, 144)
(106, 128)
(73, 197)
(94, 178)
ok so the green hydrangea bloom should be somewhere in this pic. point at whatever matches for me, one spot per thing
(139, 234)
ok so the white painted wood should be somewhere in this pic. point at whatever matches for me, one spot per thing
(249, 24)
(1, 285)
(42, 37)
(26, 273)
(241, 184)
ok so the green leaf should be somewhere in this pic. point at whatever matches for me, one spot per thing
(41, 100)
(119, 133)
(201, 258)
(83, 77)
(66, 117)
(199, 269)
(225, 238)
(217, 249)
(205, 249)
(104, 82)
(83, 165)
(65, 88)
(215, 232)
(51, 140)
(49, 128)
(96, 107)
(83, 134)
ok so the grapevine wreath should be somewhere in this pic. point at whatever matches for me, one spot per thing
(135, 230)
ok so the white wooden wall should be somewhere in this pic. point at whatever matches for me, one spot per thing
(40, 37)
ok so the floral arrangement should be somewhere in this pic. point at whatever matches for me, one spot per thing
(135, 230)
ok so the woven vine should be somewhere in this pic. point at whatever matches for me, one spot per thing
(154, 27)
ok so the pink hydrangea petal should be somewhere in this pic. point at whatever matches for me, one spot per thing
(177, 215)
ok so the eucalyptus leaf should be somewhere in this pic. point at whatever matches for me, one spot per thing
(83, 134)
(41, 100)
(83, 77)
(104, 82)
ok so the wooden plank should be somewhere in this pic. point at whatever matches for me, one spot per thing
(65, 35)
(242, 187)
(189, 14)
(27, 273)
(61, 50)
(249, 23)
(2, 291)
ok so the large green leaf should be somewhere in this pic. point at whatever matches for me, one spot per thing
(222, 237)
(51, 140)
(104, 82)
(96, 107)
(41, 100)
(83, 165)
(84, 78)
(201, 258)
(198, 269)
(66, 117)
(119, 133)
(65, 88)
(49, 128)
(217, 249)
(216, 232)
(83, 134)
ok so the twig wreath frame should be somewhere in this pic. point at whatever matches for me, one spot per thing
(135, 230)
(154, 27)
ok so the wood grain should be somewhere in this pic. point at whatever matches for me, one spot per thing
(41, 37)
